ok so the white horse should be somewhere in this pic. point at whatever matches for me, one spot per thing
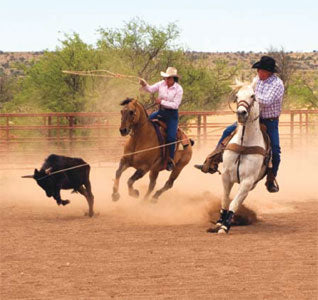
(239, 166)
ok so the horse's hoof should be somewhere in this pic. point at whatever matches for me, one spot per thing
(65, 202)
(115, 197)
(223, 230)
(213, 229)
(89, 214)
(134, 193)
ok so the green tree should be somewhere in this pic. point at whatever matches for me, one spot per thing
(303, 91)
(8, 88)
(140, 48)
(45, 87)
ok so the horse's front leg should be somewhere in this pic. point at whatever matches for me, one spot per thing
(153, 178)
(168, 185)
(225, 203)
(245, 187)
(137, 175)
(122, 167)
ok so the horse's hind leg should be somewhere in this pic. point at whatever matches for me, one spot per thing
(89, 197)
(122, 167)
(153, 178)
(168, 185)
(137, 175)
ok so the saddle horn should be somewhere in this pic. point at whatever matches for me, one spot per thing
(27, 176)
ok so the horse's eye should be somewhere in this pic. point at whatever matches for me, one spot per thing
(235, 99)
(131, 112)
(253, 96)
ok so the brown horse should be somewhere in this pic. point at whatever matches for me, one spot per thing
(134, 120)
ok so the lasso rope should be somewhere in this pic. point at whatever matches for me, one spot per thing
(92, 73)
(114, 157)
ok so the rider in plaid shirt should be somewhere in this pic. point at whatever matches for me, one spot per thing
(269, 92)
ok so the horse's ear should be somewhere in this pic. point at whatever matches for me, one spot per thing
(238, 84)
(253, 84)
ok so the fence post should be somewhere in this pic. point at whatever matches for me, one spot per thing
(199, 129)
(70, 132)
(204, 129)
(58, 132)
(301, 127)
(49, 123)
(7, 129)
(291, 129)
(7, 135)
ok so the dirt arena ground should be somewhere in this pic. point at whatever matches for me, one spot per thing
(135, 250)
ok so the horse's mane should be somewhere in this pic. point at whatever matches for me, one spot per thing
(237, 86)
(126, 101)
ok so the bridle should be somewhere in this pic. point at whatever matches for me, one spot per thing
(247, 106)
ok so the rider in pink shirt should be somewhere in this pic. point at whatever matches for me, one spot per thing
(169, 98)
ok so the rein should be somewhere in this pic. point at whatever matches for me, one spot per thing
(238, 160)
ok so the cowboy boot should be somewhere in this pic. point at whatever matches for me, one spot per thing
(271, 183)
(170, 165)
(212, 161)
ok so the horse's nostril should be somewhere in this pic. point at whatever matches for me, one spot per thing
(242, 112)
(123, 130)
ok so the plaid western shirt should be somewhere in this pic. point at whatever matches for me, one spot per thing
(269, 94)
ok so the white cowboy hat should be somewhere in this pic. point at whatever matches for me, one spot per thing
(170, 72)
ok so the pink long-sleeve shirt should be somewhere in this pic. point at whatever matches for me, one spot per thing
(171, 97)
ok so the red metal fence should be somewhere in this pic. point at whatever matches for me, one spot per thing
(25, 137)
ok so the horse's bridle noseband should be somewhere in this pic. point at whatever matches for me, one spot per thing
(245, 104)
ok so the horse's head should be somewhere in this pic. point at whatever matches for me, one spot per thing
(130, 115)
(247, 106)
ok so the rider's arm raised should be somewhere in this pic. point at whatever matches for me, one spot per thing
(152, 88)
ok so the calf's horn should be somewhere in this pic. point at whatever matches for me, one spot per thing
(27, 176)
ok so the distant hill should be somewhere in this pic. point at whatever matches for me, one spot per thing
(304, 61)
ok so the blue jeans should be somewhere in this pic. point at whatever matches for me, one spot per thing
(171, 118)
(272, 131)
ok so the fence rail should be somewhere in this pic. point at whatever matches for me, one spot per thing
(96, 134)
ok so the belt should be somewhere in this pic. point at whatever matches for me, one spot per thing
(163, 108)
(270, 119)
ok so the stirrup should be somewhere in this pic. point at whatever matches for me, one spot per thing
(272, 186)
(170, 165)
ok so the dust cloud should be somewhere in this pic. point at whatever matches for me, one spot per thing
(194, 198)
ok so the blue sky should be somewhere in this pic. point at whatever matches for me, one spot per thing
(215, 25)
